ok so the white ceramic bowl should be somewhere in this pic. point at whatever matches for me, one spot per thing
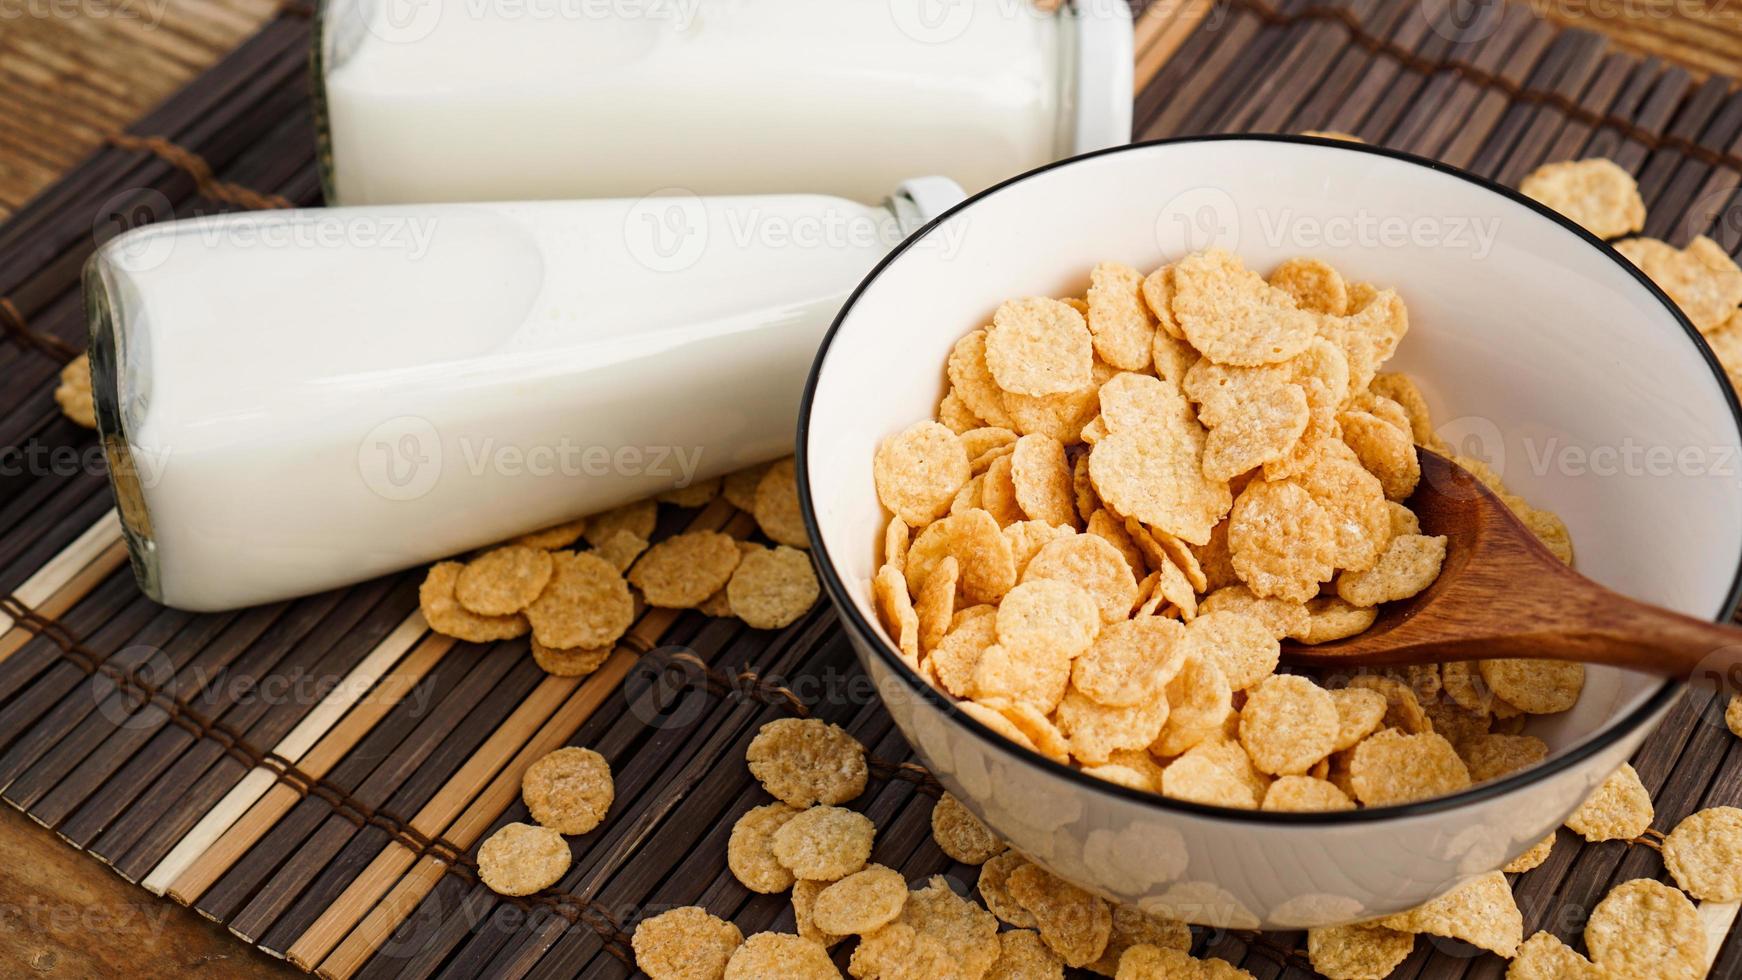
(1537, 346)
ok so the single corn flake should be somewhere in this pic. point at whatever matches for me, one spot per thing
(1022, 955)
(780, 956)
(1132, 926)
(804, 899)
(1644, 928)
(1283, 617)
(569, 790)
(1481, 912)
(1733, 715)
(1241, 645)
(684, 569)
(919, 470)
(1074, 923)
(1282, 542)
(1538, 687)
(860, 903)
(1492, 756)
(638, 517)
(777, 511)
(521, 859)
(1093, 566)
(1288, 724)
(555, 537)
(1105, 525)
(1402, 389)
(956, 655)
(772, 587)
(1387, 451)
(576, 662)
(586, 605)
(1042, 478)
(1409, 564)
(1119, 321)
(1305, 794)
(1358, 952)
(1395, 767)
(899, 952)
(975, 540)
(73, 393)
(1131, 661)
(1619, 809)
(936, 605)
(1702, 278)
(1531, 859)
(1232, 315)
(1269, 425)
(1157, 290)
(739, 486)
(685, 944)
(1039, 346)
(824, 843)
(973, 384)
(750, 850)
(1332, 134)
(998, 493)
(1143, 962)
(804, 761)
(1314, 285)
(960, 834)
(1354, 498)
(967, 932)
(1544, 957)
(1704, 854)
(697, 494)
(1034, 675)
(1359, 713)
(895, 610)
(444, 613)
(1154, 471)
(1200, 701)
(1049, 615)
(994, 887)
(1096, 731)
(621, 549)
(1199, 779)
(1595, 193)
(1332, 619)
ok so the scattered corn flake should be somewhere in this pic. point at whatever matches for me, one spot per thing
(1238, 642)
(1305, 794)
(1394, 767)
(1544, 957)
(1702, 278)
(1358, 952)
(955, 414)
(521, 859)
(899, 952)
(1039, 346)
(1548, 528)
(860, 903)
(1119, 320)
(1531, 859)
(638, 517)
(919, 470)
(897, 537)
(1042, 478)
(684, 569)
(804, 899)
(73, 393)
(621, 549)
(1733, 715)
(895, 610)
(997, 488)
(1144, 962)
(1538, 687)
(554, 537)
(968, 932)
(1200, 701)
(1281, 541)
(569, 662)
(772, 587)
(1492, 756)
(960, 834)
(777, 511)
(1131, 661)
(1314, 285)
(1157, 291)
(1619, 809)
(995, 891)
(1096, 731)
(780, 956)
(824, 843)
(805, 761)
(956, 655)
(685, 944)
(1022, 955)
(569, 790)
(1125, 776)
(445, 615)
(1387, 452)
(936, 606)
(1481, 912)
(1035, 676)
(1051, 615)
(1200, 779)
(1594, 193)
(1644, 928)
(697, 494)
(1154, 471)
(750, 851)
(1232, 316)
(1359, 713)
(1409, 564)
(973, 383)
(1267, 428)
(1333, 619)
(1704, 854)
(1287, 724)
(1074, 923)
(1132, 926)
(739, 486)
(975, 540)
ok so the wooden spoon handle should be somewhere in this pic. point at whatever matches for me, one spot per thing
(1615, 629)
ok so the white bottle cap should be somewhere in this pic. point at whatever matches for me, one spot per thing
(1103, 68)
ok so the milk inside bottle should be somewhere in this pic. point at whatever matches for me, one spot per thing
(294, 401)
(466, 100)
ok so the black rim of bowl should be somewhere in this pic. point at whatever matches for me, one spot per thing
(851, 617)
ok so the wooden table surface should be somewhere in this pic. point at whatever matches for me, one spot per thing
(71, 73)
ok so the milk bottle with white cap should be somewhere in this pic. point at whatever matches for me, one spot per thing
(457, 100)
(294, 401)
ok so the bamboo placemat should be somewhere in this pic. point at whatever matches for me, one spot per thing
(315, 774)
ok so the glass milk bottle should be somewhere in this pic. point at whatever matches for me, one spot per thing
(295, 401)
(488, 100)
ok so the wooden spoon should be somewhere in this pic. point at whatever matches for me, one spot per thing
(1501, 593)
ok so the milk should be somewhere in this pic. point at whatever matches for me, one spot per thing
(295, 401)
(466, 100)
